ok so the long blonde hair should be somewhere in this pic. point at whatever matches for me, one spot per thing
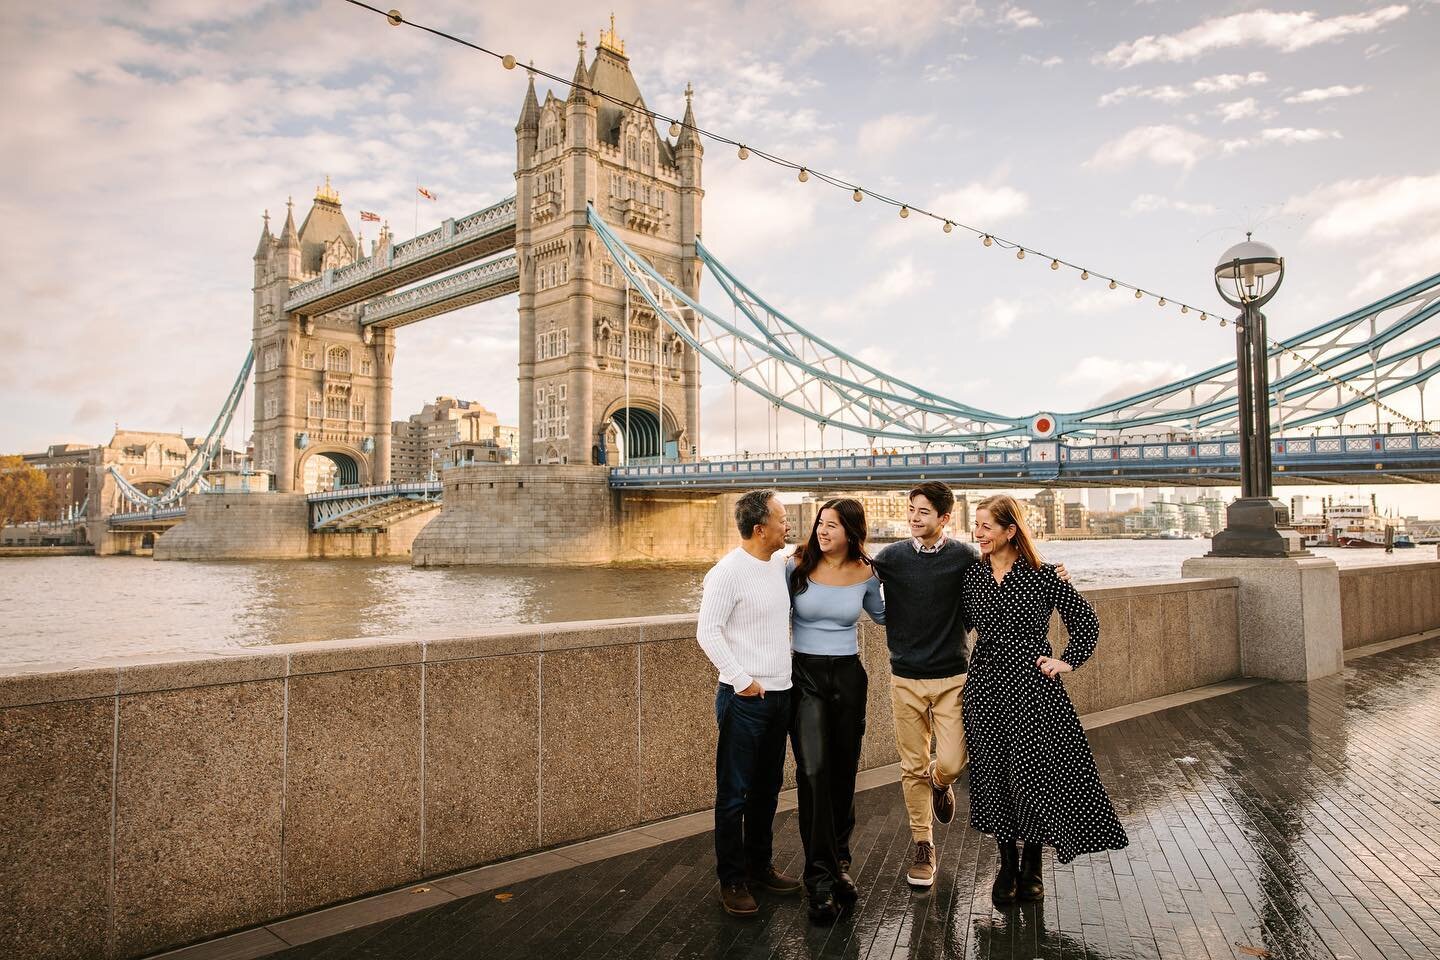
(1007, 512)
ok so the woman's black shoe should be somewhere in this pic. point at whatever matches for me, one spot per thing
(1031, 885)
(824, 909)
(1003, 892)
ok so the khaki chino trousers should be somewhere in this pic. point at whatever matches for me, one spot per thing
(926, 708)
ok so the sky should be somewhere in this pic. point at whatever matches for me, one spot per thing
(142, 141)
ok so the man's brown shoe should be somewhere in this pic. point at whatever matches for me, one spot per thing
(942, 799)
(776, 882)
(922, 865)
(737, 901)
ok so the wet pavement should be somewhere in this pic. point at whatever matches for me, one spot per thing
(1284, 820)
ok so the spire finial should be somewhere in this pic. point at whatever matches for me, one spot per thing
(609, 41)
(266, 218)
(581, 43)
(689, 93)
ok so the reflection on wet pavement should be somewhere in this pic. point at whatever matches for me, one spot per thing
(1284, 821)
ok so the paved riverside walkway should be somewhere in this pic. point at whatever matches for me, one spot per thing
(1281, 820)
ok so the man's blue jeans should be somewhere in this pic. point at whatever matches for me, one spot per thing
(749, 769)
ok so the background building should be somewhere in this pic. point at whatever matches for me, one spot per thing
(446, 432)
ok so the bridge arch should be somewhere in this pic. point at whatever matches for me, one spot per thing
(647, 438)
(328, 468)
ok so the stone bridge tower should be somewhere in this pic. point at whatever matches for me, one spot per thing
(571, 153)
(322, 383)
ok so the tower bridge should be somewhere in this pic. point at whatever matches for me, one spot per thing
(600, 243)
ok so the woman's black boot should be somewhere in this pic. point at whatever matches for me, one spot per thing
(1031, 885)
(1003, 892)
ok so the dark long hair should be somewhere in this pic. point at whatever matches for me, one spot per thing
(807, 558)
(1007, 513)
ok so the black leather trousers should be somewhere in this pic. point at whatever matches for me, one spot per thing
(829, 701)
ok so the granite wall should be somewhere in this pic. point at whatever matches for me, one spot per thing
(147, 804)
(1387, 601)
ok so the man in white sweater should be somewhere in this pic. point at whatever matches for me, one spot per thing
(745, 631)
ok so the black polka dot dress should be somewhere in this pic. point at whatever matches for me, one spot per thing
(1032, 776)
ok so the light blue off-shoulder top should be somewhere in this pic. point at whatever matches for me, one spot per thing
(823, 618)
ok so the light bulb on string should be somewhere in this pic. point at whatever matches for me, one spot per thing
(1084, 274)
(1113, 284)
(986, 240)
(804, 175)
(675, 129)
(948, 226)
(395, 18)
(1222, 321)
(904, 211)
(1204, 317)
(1054, 264)
(1162, 302)
(858, 195)
(508, 61)
(1139, 294)
(1020, 254)
(1184, 309)
(744, 153)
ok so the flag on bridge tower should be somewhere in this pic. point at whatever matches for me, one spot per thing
(367, 215)
(426, 193)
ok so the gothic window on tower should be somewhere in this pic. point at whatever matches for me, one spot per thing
(607, 274)
(338, 360)
(335, 408)
(272, 408)
(307, 360)
(645, 154)
(357, 411)
(630, 148)
(564, 272)
(365, 368)
(313, 408)
(272, 359)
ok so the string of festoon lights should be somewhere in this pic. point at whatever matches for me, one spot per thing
(805, 173)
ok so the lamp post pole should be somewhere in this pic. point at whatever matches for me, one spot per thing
(1257, 525)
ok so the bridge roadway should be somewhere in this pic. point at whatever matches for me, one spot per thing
(1356, 458)
(454, 243)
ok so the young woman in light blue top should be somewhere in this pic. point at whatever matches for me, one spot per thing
(831, 582)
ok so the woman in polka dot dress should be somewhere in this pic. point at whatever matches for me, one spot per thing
(1032, 776)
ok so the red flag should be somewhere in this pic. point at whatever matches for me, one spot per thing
(426, 193)
(367, 215)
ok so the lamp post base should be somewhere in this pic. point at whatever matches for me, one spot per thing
(1257, 527)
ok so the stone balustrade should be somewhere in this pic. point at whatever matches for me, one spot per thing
(1386, 601)
(151, 803)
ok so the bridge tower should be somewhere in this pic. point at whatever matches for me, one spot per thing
(573, 314)
(322, 383)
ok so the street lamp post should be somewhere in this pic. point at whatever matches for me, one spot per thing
(1256, 524)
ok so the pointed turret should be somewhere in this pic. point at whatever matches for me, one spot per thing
(289, 244)
(262, 250)
(530, 112)
(688, 137)
(581, 80)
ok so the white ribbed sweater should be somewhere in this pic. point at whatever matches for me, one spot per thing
(745, 620)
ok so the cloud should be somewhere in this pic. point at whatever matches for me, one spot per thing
(1017, 18)
(1238, 110)
(1286, 32)
(1152, 203)
(1165, 145)
(981, 204)
(998, 316)
(890, 132)
(1220, 83)
(1318, 94)
(944, 72)
(1047, 63)
(1390, 224)
(1283, 135)
(1121, 377)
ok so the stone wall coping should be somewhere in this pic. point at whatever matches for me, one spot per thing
(115, 676)
(1374, 568)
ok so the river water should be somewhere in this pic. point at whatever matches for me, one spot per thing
(83, 608)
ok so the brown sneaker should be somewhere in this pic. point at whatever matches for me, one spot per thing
(922, 865)
(776, 882)
(942, 799)
(737, 901)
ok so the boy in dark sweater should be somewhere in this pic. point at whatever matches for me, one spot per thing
(925, 629)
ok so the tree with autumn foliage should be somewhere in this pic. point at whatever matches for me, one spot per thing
(25, 493)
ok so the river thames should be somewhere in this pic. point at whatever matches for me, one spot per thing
(82, 608)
